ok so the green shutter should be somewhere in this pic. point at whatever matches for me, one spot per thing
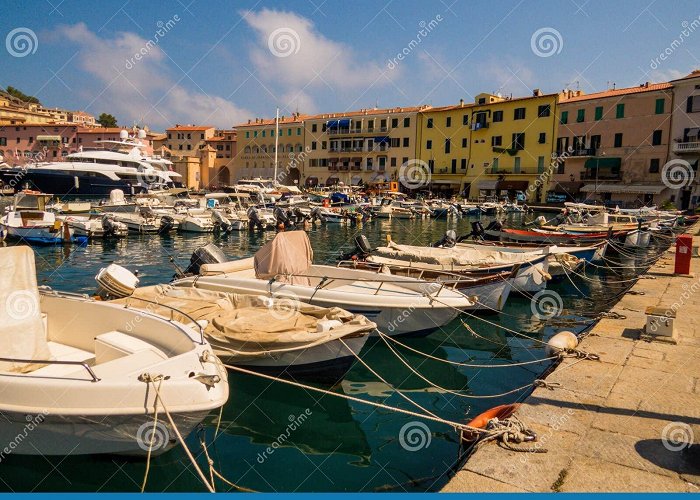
(660, 105)
(599, 113)
(540, 164)
(620, 111)
(564, 117)
(581, 115)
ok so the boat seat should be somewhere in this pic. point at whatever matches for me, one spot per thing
(114, 345)
(65, 352)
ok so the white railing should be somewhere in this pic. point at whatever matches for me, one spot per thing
(686, 147)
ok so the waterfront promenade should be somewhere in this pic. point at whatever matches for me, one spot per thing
(623, 423)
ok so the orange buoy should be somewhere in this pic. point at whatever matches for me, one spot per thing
(326, 202)
(481, 421)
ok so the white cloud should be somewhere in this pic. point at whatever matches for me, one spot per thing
(142, 89)
(293, 55)
(508, 76)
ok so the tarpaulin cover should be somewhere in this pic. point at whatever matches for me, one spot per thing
(286, 258)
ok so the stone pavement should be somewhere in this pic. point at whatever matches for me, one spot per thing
(622, 424)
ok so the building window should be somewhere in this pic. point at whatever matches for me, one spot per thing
(618, 141)
(595, 142)
(544, 110)
(431, 166)
(564, 119)
(323, 145)
(31, 139)
(518, 141)
(660, 105)
(454, 166)
(370, 125)
(393, 160)
(543, 138)
(448, 121)
(314, 127)
(463, 164)
(516, 165)
(263, 133)
(464, 142)
(498, 116)
(406, 122)
(201, 136)
(465, 119)
(313, 145)
(255, 133)
(599, 113)
(448, 145)
(430, 123)
(405, 142)
(496, 141)
(620, 111)
(3, 141)
(654, 166)
(428, 144)
(656, 138)
(519, 114)
(247, 135)
(394, 124)
(540, 164)
(580, 115)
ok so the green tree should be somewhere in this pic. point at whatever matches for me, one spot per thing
(21, 95)
(107, 120)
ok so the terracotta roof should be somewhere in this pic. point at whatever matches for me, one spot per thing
(284, 120)
(160, 137)
(189, 128)
(651, 87)
(693, 74)
(216, 138)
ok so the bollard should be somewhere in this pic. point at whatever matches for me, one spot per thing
(684, 247)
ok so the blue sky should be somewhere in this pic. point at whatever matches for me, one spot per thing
(221, 63)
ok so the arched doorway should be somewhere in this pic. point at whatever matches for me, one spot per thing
(223, 177)
(294, 177)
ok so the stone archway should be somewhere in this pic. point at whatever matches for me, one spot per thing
(223, 177)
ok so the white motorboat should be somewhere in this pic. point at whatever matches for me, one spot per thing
(80, 371)
(532, 273)
(195, 221)
(279, 336)
(103, 227)
(145, 220)
(392, 209)
(283, 268)
(28, 220)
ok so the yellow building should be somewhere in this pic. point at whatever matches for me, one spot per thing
(444, 145)
(511, 145)
(255, 144)
(365, 146)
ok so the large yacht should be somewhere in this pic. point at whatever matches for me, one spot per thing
(121, 164)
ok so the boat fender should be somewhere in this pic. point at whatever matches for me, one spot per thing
(562, 341)
(327, 325)
(482, 420)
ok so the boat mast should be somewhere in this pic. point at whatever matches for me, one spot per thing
(277, 140)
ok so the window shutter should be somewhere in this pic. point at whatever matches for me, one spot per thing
(689, 107)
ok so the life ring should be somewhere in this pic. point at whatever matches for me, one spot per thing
(481, 421)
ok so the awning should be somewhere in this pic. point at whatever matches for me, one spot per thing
(381, 140)
(487, 185)
(345, 123)
(603, 162)
(625, 188)
(567, 187)
(356, 179)
(311, 181)
(332, 180)
(48, 138)
(512, 185)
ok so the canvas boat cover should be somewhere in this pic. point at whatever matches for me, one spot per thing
(456, 256)
(22, 331)
(249, 326)
(286, 258)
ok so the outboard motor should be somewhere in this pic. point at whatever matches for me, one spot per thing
(299, 215)
(208, 254)
(108, 225)
(221, 222)
(316, 214)
(361, 251)
(447, 241)
(254, 219)
(477, 230)
(167, 224)
(281, 216)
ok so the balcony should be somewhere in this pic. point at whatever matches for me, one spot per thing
(686, 147)
(583, 152)
(602, 176)
(479, 125)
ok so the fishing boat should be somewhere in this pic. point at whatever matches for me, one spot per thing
(533, 266)
(277, 336)
(80, 371)
(540, 236)
(283, 268)
(28, 220)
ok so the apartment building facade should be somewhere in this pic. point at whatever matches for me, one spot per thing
(612, 145)
(14, 111)
(685, 141)
(511, 145)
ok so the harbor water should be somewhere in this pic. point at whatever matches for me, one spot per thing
(274, 437)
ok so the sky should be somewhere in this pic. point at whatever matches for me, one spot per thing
(221, 63)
